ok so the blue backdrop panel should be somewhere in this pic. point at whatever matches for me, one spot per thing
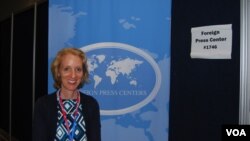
(128, 49)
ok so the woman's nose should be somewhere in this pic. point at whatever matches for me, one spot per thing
(73, 74)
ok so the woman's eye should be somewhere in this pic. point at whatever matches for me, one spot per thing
(66, 69)
(78, 69)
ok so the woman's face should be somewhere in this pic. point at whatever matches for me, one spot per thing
(70, 72)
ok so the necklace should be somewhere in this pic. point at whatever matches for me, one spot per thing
(64, 112)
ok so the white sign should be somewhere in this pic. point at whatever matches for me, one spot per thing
(212, 42)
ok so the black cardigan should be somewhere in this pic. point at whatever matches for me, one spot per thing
(45, 118)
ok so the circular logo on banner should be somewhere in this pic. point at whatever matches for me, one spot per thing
(123, 78)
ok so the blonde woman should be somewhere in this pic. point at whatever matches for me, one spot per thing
(67, 114)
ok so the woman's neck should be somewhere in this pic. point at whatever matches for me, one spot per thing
(68, 94)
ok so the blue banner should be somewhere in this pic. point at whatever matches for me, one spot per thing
(128, 47)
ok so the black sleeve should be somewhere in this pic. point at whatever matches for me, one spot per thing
(93, 121)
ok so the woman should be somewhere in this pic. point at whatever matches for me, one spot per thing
(67, 114)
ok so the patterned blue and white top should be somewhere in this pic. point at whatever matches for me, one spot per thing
(79, 129)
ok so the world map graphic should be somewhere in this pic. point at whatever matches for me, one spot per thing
(114, 69)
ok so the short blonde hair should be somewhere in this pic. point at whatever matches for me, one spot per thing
(58, 60)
